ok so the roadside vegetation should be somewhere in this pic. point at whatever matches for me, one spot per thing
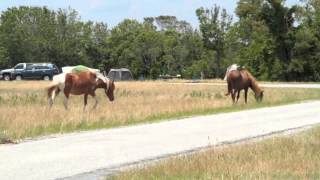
(24, 111)
(290, 157)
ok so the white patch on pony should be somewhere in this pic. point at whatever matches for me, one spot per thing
(59, 80)
(103, 78)
(233, 67)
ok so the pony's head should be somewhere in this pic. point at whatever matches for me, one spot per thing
(259, 96)
(110, 90)
(107, 85)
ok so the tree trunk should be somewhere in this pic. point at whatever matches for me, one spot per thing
(218, 62)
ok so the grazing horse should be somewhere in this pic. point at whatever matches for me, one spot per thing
(80, 83)
(242, 79)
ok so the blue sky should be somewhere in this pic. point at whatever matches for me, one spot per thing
(114, 11)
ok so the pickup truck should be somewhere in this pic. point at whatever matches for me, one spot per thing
(21, 71)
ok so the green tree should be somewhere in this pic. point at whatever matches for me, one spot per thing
(305, 64)
(255, 46)
(280, 20)
(35, 34)
(214, 27)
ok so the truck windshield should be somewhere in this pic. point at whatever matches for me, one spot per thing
(19, 66)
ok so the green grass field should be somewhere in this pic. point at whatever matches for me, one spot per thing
(24, 111)
(290, 157)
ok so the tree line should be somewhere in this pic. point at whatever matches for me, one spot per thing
(273, 41)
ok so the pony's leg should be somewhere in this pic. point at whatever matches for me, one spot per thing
(96, 103)
(245, 95)
(65, 100)
(66, 91)
(85, 102)
(50, 100)
(238, 96)
(57, 92)
(233, 95)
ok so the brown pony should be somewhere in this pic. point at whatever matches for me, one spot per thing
(84, 83)
(242, 79)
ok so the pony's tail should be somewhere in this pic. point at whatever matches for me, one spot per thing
(229, 89)
(52, 91)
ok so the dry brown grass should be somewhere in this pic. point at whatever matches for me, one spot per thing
(24, 111)
(291, 157)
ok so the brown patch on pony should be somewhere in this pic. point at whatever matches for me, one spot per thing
(242, 80)
(80, 83)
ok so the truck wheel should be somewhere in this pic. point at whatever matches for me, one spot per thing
(6, 77)
(46, 78)
(18, 77)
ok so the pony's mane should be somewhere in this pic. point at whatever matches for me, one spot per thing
(250, 75)
(106, 80)
(102, 77)
(253, 81)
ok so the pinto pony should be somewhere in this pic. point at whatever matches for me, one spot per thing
(242, 79)
(80, 83)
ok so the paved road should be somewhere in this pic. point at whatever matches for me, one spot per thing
(72, 154)
(292, 85)
(268, 85)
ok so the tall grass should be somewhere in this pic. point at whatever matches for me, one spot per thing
(24, 111)
(290, 157)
